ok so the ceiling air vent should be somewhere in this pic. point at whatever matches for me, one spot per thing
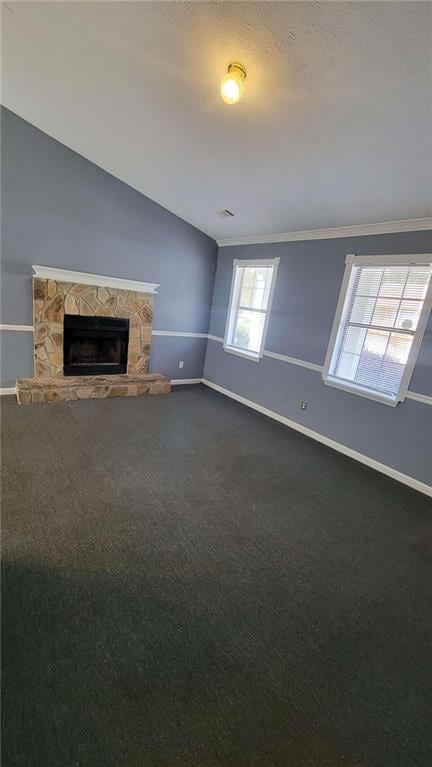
(225, 213)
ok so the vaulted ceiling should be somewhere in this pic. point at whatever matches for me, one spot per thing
(334, 128)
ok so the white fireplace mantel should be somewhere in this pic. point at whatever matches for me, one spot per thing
(100, 280)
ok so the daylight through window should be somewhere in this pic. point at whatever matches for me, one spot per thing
(250, 303)
(379, 328)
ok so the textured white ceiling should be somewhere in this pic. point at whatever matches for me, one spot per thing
(334, 127)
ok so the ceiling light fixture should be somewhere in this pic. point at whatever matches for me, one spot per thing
(232, 84)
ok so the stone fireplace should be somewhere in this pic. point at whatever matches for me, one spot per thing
(92, 338)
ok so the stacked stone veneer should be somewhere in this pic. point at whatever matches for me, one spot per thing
(53, 299)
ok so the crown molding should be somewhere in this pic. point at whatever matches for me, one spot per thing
(100, 280)
(386, 227)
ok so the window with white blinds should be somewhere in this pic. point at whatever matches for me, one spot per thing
(382, 313)
(249, 308)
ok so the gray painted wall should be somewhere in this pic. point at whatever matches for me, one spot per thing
(168, 350)
(59, 209)
(306, 293)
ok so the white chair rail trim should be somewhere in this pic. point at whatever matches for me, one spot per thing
(423, 398)
(180, 333)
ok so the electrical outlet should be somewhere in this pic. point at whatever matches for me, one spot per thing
(303, 405)
(181, 364)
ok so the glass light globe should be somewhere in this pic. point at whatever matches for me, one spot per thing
(232, 84)
(231, 89)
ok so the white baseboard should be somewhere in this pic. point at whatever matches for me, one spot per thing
(179, 381)
(371, 462)
(5, 390)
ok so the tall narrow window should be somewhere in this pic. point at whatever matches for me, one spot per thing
(249, 307)
(381, 316)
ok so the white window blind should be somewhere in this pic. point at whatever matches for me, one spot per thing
(373, 348)
(250, 303)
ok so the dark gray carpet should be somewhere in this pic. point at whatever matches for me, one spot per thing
(190, 584)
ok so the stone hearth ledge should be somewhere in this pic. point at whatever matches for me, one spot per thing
(39, 389)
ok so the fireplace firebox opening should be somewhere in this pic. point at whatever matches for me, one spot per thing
(95, 345)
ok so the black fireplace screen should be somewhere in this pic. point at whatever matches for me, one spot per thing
(95, 345)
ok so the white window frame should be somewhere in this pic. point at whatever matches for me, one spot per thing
(233, 306)
(377, 261)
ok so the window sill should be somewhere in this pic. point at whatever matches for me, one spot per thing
(254, 356)
(386, 399)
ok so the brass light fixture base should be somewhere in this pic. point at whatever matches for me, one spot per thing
(237, 68)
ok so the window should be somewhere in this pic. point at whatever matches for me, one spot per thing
(381, 316)
(249, 308)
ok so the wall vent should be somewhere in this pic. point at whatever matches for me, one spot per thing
(225, 213)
